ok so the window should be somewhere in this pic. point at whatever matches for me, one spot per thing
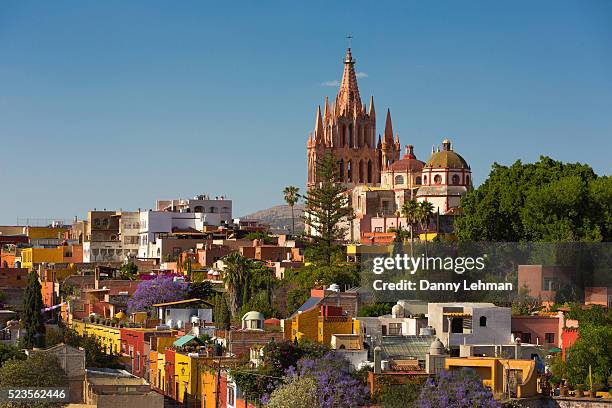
(395, 329)
(483, 321)
(418, 181)
(438, 179)
(425, 180)
(548, 284)
(138, 361)
(455, 179)
(231, 396)
(550, 337)
(399, 179)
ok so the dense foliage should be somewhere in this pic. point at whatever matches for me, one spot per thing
(8, 352)
(33, 322)
(543, 201)
(95, 356)
(299, 392)
(375, 309)
(249, 285)
(279, 356)
(593, 348)
(39, 370)
(456, 389)
(326, 212)
(159, 290)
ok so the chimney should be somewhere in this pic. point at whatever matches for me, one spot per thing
(517, 348)
(377, 360)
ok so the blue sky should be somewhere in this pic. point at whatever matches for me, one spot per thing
(114, 104)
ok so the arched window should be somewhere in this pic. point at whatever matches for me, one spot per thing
(341, 172)
(349, 171)
(399, 179)
(350, 135)
(455, 179)
(438, 179)
(483, 321)
(198, 209)
(361, 172)
(369, 171)
(467, 180)
(418, 180)
(343, 135)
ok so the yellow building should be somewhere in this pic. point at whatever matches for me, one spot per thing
(46, 232)
(31, 256)
(186, 372)
(108, 337)
(315, 325)
(501, 375)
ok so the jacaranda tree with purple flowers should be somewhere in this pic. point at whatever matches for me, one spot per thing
(456, 389)
(336, 386)
(159, 290)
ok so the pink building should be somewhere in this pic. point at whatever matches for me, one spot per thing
(598, 296)
(541, 280)
(545, 330)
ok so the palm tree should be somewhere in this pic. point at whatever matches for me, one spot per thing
(235, 276)
(425, 214)
(410, 210)
(291, 198)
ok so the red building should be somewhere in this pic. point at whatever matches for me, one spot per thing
(13, 277)
(136, 343)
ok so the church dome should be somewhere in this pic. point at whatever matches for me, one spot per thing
(408, 163)
(436, 348)
(446, 158)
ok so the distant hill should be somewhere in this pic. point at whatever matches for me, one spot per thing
(279, 217)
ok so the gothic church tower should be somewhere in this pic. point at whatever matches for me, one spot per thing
(348, 130)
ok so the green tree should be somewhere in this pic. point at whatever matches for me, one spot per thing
(410, 210)
(9, 352)
(327, 211)
(291, 196)
(201, 290)
(33, 322)
(128, 271)
(399, 395)
(424, 214)
(95, 356)
(39, 370)
(545, 201)
(222, 315)
(375, 309)
(593, 348)
(235, 277)
(299, 392)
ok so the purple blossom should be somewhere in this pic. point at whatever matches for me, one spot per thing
(456, 389)
(159, 290)
(336, 387)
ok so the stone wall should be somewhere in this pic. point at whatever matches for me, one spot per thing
(567, 402)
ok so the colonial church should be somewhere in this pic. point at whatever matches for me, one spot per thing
(379, 180)
(348, 129)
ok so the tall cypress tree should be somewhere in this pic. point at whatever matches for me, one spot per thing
(33, 322)
(327, 210)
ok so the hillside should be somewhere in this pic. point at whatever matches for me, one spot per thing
(279, 217)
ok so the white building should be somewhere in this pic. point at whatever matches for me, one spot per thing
(216, 211)
(459, 324)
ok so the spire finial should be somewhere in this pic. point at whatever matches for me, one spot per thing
(349, 37)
